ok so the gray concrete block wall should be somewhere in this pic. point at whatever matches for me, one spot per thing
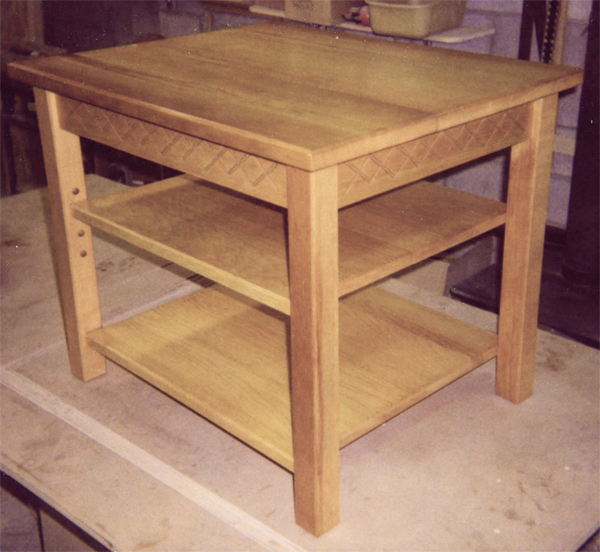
(180, 17)
(178, 24)
(79, 26)
(505, 17)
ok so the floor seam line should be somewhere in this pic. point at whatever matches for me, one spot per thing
(193, 491)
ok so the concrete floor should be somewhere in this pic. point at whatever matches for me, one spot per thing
(23, 522)
(23, 529)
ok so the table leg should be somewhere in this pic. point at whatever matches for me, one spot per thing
(528, 188)
(313, 258)
(72, 238)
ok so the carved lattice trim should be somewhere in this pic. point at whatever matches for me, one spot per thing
(234, 169)
(435, 151)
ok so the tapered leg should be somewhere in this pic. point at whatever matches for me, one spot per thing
(313, 243)
(528, 188)
(72, 238)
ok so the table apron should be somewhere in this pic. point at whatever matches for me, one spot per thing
(405, 163)
(358, 179)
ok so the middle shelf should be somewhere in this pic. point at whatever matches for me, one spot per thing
(242, 243)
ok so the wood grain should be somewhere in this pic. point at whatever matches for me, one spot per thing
(410, 161)
(303, 97)
(264, 179)
(528, 191)
(394, 353)
(313, 260)
(72, 239)
(243, 244)
(227, 358)
(393, 231)
(234, 169)
(345, 118)
(222, 237)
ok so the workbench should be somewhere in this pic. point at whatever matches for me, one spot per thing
(303, 152)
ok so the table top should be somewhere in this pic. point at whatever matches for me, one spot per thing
(296, 94)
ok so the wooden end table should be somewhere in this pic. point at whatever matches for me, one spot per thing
(303, 152)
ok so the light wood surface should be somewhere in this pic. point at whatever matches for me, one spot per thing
(258, 177)
(228, 359)
(177, 481)
(73, 239)
(249, 174)
(396, 230)
(404, 163)
(337, 113)
(225, 238)
(311, 99)
(314, 344)
(528, 190)
(243, 244)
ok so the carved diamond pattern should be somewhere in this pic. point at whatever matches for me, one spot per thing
(209, 151)
(433, 149)
(172, 148)
(266, 179)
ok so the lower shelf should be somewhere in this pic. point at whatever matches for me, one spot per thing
(227, 358)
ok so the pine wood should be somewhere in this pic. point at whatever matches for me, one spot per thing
(72, 239)
(528, 190)
(243, 245)
(311, 99)
(228, 358)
